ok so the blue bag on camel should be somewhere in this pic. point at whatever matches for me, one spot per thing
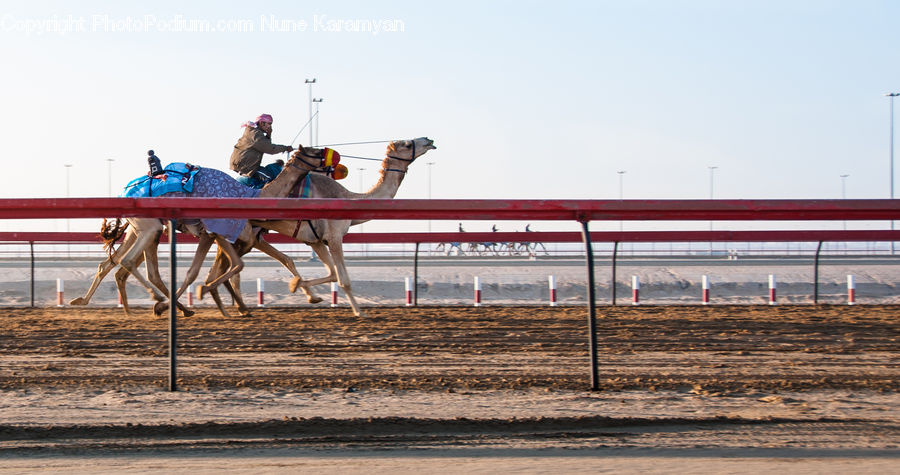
(174, 177)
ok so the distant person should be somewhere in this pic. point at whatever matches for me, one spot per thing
(461, 228)
(528, 228)
(248, 151)
(494, 228)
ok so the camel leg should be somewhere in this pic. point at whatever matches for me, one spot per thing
(152, 258)
(104, 268)
(321, 250)
(286, 261)
(233, 257)
(135, 255)
(203, 246)
(233, 285)
(337, 253)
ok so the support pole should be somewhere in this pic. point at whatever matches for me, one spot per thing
(173, 288)
(31, 244)
(613, 286)
(415, 292)
(816, 275)
(592, 308)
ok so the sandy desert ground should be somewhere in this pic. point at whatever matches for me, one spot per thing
(737, 389)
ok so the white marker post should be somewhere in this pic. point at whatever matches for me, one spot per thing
(190, 296)
(705, 290)
(552, 282)
(477, 291)
(334, 287)
(772, 285)
(260, 292)
(59, 293)
(635, 290)
(409, 296)
(119, 297)
(851, 290)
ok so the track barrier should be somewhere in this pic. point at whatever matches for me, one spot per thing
(552, 283)
(635, 290)
(705, 290)
(772, 285)
(477, 291)
(851, 290)
(409, 294)
(59, 293)
(260, 293)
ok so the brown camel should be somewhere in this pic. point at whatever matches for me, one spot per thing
(142, 239)
(325, 236)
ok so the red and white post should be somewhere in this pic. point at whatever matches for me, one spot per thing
(190, 296)
(635, 290)
(772, 285)
(260, 293)
(59, 293)
(409, 295)
(119, 296)
(851, 290)
(705, 290)
(477, 291)
(334, 287)
(552, 282)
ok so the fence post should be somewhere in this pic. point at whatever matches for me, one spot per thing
(31, 246)
(772, 299)
(851, 290)
(552, 282)
(173, 327)
(816, 275)
(260, 292)
(415, 291)
(705, 290)
(635, 290)
(409, 292)
(614, 255)
(334, 298)
(592, 309)
(59, 293)
(477, 291)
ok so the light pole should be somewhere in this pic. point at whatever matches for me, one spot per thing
(892, 95)
(109, 175)
(712, 175)
(317, 101)
(430, 165)
(310, 82)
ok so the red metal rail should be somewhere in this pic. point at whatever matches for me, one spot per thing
(537, 236)
(550, 210)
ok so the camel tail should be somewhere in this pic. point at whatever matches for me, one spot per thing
(112, 232)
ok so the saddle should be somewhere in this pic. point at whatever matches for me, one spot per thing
(176, 177)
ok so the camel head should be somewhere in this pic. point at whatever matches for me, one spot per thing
(409, 150)
(311, 158)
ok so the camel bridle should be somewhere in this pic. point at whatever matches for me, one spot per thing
(407, 160)
(303, 156)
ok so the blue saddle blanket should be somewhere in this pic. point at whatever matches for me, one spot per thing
(176, 177)
(269, 172)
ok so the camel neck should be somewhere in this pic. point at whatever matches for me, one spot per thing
(388, 183)
(282, 184)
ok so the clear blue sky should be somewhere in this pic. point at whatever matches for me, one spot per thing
(523, 99)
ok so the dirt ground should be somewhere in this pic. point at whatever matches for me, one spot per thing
(715, 348)
(734, 388)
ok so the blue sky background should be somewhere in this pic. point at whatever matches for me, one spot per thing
(524, 99)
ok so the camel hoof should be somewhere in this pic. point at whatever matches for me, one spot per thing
(160, 307)
(187, 312)
(313, 299)
(78, 301)
(295, 283)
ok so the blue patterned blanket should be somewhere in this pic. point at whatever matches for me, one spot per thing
(175, 177)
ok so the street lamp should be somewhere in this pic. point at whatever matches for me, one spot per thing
(317, 101)
(892, 95)
(109, 175)
(310, 82)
